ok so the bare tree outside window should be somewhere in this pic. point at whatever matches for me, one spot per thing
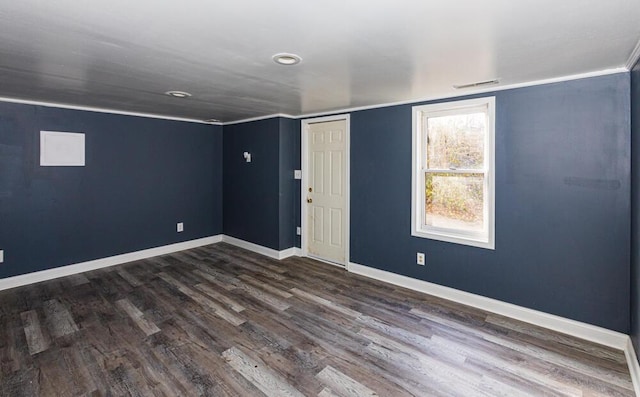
(455, 143)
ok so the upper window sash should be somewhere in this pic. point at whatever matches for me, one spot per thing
(423, 150)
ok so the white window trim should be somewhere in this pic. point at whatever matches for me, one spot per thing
(417, 199)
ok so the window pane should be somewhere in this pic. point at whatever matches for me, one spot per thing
(456, 141)
(454, 201)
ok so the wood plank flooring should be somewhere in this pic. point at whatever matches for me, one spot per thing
(222, 321)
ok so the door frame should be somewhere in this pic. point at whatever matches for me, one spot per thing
(305, 179)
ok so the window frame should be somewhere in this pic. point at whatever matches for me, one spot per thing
(420, 114)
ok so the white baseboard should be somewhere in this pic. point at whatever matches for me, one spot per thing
(293, 251)
(68, 270)
(578, 329)
(634, 367)
(567, 326)
(270, 252)
(49, 274)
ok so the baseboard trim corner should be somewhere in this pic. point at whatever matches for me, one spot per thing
(634, 366)
(260, 249)
(293, 251)
(567, 326)
(68, 270)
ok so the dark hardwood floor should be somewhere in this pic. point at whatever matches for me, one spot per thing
(219, 320)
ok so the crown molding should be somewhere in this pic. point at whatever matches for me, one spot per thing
(634, 57)
(469, 92)
(269, 116)
(102, 110)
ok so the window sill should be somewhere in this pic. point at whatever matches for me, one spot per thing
(486, 243)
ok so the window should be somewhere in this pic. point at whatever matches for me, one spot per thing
(453, 172)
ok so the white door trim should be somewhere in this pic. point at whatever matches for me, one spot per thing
(305, 180)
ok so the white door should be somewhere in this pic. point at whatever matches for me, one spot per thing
(326, 190)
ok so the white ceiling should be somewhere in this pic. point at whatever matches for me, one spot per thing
(123, 55)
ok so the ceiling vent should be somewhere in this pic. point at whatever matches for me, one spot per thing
(477, 84)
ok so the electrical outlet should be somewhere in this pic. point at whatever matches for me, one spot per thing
(180, 227)
(299, 231)
(1, 256)
(420, 258)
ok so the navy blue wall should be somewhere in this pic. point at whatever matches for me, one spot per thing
(251, 203)
(289, 187)
(142, 176)
(562, 202)
(259, 196)
(635, 207)
(562, 195)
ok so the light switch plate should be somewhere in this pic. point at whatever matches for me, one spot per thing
(298, 230)
(297, 174)
(180, 227)
(1, 256)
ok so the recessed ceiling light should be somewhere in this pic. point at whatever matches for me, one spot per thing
(178, 94)
(211, 121)
(286, 59)
(478, 84)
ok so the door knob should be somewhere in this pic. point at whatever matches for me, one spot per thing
(309, 200)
